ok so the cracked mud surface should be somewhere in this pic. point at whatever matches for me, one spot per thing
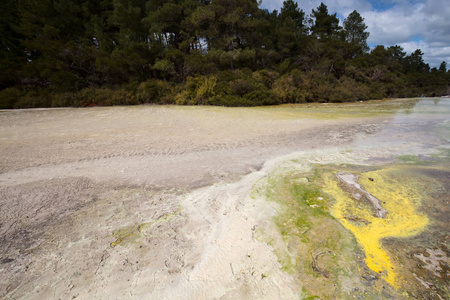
(156, 202)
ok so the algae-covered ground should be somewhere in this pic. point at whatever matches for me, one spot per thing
(337, 248)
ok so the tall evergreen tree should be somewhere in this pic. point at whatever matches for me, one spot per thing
(233, 23)
(61, 47)
(54, 37)
(355, 30)
(324, 25)
(290, 28)
(397, 53)
(290, 10)
(414, 62)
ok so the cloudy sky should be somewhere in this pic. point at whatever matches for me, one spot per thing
(412, 24)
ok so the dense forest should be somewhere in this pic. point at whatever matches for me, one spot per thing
(221, 52)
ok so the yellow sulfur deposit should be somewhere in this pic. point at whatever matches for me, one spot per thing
(402, 219)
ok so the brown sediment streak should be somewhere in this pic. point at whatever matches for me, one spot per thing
(351, 184)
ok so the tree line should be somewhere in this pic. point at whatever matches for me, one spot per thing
(222, 52)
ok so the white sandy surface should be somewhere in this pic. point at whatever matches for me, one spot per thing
(155, 202)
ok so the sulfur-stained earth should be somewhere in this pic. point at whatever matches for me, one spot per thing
(338, 248)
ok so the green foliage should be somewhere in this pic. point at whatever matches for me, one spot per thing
(199, 91)
(290, 10)
(223, 52)
(240, 87)
(165, 66)
(182, 98)
(205, 90)
(262, 97)
(8, 97)
(324, 25)
(349, 90)
(415, 63)
(264, 78)
(34, 99)
(355, 30)
(287, 91)
(153, 91)
(284, 66)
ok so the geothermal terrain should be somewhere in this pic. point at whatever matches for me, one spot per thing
(167, 202)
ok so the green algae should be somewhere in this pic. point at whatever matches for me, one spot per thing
(327, 111)
(329, 253)
(315, 248)
(408, 159)
(131, 234)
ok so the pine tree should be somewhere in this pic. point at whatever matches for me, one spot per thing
(290, 10)
(355, 30)
(415, 63)
(324, 25)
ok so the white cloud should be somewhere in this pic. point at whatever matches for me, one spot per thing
(394, 26)
(412, 24)
(434, 54)
(422, 25)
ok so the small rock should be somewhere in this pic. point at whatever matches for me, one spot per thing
(314, 205)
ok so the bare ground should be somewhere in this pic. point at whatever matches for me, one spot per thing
(155, 202)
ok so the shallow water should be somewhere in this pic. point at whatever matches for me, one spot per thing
(405, 163)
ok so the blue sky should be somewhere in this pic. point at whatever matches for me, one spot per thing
(412, 24)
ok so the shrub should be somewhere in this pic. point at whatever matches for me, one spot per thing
(245, 58)
(240, 87)
(205, 89)
(121, 97)
(153, 91)
(9, 96)
(223, 88)
(262, 97)
(199, 90)
(341, 94)
(347, 90)
(182, 98)
(33, 99)
(285, 89)
(148, 91)
(227, 76)
(63, 100)
(265, 78)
